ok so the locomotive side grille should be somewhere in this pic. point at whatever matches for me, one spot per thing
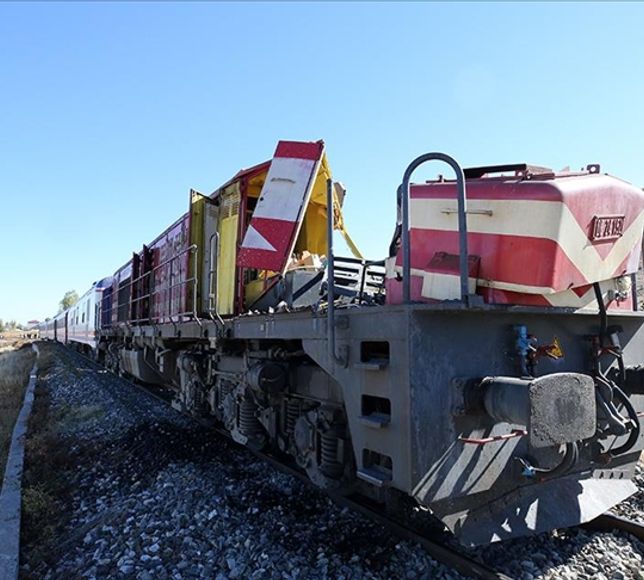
(230, 205)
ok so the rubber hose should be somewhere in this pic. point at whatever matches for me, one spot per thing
(635, 432)
(569, 460)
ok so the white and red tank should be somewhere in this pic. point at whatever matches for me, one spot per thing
(535, 238)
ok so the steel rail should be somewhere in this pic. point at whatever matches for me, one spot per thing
(609, 522)
(436, 549)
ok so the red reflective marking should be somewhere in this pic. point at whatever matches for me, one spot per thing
(484, 440)
(299, 150)
(278, 233)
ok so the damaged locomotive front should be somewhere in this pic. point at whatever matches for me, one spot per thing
(501, 389)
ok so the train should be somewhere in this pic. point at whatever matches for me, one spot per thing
(77, 325)
(488, 371)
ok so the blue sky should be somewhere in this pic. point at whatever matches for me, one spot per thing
(109, 113)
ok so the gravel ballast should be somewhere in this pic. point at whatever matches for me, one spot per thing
(156, 495)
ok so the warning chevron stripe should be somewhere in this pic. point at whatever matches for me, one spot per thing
(270, 237)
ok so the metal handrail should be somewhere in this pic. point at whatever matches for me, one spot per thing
(462, 223)
(331, 276)
(166, 288)
(212, 280)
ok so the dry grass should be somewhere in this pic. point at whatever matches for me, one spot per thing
(44, 486)
(15, 367)
(45, 489)
(15, 339)
(13, 344)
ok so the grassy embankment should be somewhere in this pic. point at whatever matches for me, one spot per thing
(45, 480)
(11, 340)
(15, 366)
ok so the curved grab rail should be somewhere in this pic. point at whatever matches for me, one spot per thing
(462, 222)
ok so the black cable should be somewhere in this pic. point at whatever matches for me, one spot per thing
(603, 331)
(570, 458)
(622, 369)
(602, 312)
(635, 431)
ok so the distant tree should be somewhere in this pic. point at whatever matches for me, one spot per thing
(2, 327)
(70, 298)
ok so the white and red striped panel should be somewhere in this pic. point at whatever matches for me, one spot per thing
(277, 218)
(532, 239)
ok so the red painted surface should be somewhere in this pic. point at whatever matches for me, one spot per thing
(121, 282)
(487, 188)
(168, 259)
(170, 262)
(269, 238)
(512, 259)
(278, 233)
(393, 288)
(531, 261)
(300, 150)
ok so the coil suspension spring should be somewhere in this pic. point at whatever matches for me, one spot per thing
(225, 388)
(292, 413)
(329, 464)
(249, 424)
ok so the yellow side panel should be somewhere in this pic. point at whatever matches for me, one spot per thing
(318, 193)
(253, 290)
(197, 206)
(227, 250)
(312, 236)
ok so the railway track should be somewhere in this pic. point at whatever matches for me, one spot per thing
(438, 549)
(609, 522)
(441, 551)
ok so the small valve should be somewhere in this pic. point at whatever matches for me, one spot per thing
(525, 345)
(530, 351)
